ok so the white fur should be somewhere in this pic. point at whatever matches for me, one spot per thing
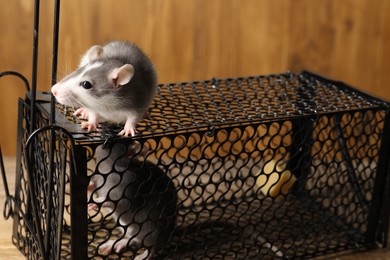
(118, 116)
(64, 89)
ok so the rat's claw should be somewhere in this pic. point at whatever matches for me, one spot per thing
(82, 112)
(88, 126)
(93, 207)
(129, 128)
(120, 245)
(106, 248)
(92, 124)
(127, 132)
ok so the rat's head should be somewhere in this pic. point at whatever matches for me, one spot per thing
(93, 85)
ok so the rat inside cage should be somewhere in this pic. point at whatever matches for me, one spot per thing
(277, 166)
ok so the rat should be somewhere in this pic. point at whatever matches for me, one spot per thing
(143, 203)
(113, 83)
(139, 196)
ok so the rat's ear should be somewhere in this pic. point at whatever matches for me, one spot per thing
(95, 52)
(121, 76)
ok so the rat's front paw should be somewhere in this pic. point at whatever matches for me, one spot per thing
(93, 207)
(89, 126)
(113, 245)
(120, 245)
(127, 132)
(93, 122)
(129, 128)
(106, 248)
(83, 112)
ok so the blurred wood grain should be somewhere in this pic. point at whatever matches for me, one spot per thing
(189, 40)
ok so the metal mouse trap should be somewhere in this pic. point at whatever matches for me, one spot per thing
(282, 166)
(266, 167)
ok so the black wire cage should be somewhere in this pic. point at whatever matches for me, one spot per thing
(283, 166)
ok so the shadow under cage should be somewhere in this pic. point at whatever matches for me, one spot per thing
(267, 167)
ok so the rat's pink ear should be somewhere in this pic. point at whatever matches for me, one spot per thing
(121, 76)
(94, 53)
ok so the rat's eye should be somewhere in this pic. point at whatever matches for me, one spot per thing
(86, 84)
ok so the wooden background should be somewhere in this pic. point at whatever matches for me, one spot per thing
(347, 40)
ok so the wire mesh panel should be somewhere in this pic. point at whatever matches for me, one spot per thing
(22, 237)
(268, 167)
(40, 187)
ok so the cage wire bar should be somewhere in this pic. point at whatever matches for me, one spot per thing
(34, 73)
(221, 142)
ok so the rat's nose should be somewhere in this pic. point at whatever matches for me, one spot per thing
(54, 91)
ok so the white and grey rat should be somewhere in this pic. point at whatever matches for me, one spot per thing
(139, 196)
(143, 203)
(113, 83)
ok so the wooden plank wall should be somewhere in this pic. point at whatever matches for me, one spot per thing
(347, 40)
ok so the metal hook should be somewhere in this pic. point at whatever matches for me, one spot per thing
(17, 74)
(8, 210)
